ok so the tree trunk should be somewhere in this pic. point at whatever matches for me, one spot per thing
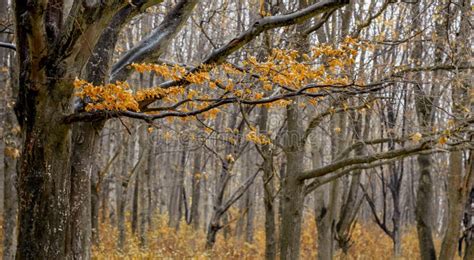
(121, 186)
(10, 151)
(85, 139)
(455, 206)
(423, 211)
(10, 206)
(135, 195)
(95, 205)
(249, 228)
(459, 183)
(292, 189)
(44, 177)
(214, 223)
(176, 198)
(196, 190)
(268, 189)
(143, 209)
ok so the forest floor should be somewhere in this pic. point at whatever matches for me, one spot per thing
(369, 242)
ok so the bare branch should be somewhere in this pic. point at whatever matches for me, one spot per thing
(151, 48)
(320, 22)
(364, 159)
(8, 45)
(238, 193)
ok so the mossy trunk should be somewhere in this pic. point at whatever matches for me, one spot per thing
(44, 175)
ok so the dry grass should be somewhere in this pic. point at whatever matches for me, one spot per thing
(166, 243)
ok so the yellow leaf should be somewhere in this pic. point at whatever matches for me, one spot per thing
(230, 158)
(442, 140)
(416, 137)
(12, 152)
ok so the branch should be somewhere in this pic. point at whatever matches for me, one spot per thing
(318, 118)
(151, 48)
(320, 23)
(238, 193)
(272, 22)
(380, 223)
(369, 20)
(347, 89)
(81, 30)
(318, 182)
(424, 147)
(364, 159)
(8, 45)
(433, 68)
(261, 25)
(98, 66)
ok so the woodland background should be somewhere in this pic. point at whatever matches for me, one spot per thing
(246, 129)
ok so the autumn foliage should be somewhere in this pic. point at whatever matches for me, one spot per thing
(288, 70)
(165, 242)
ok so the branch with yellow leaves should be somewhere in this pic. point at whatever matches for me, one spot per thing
(350, 89)
(264, 24)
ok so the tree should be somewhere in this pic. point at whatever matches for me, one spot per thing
(82, 82)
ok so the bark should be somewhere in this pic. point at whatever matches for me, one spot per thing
(196, 190)
(352, 203)
(217, 212)
(176, 198)
(455, 206)
(268, 189)
(151, 179)
(44, 182)
(143, 193)
(423, 211)
(10, 152)
(95, 205)
(135, 195)
(323, 222)
(459, 182)
(292, 189)
(10, 207)
(85, 139)
(249, 228)
(121, 186)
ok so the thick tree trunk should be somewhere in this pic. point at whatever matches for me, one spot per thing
(10, 202)
(455, 206)
(292, 216)
(424, 199)
(323, 224)
(85, 139)
(11, 150)
(292, 199)
(44, 177)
